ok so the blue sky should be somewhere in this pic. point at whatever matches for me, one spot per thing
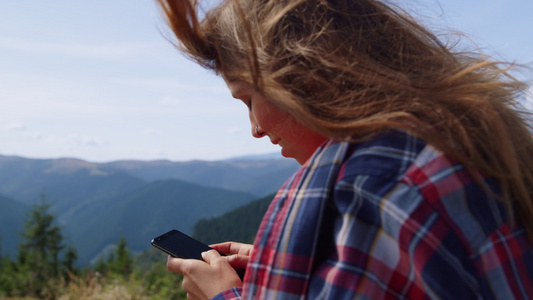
(97, 80)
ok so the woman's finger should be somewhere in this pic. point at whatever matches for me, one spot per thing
(238, 261)
(226, 248)
(229, 248)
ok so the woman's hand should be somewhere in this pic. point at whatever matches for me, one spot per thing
(238, 254)
(205, 279)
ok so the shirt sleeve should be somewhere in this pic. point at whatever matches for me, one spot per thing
(232, 294)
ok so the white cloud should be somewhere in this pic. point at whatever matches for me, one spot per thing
(35, 135)
(155, 83)
(60, 140)
(170, 101)
(91, 141)
(208, 83)
(21, 127)
(74, 139)
(151, 131)
(235, 130)
(98, 51)
(16, 126)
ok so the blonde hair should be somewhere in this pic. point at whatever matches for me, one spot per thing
(352, 69)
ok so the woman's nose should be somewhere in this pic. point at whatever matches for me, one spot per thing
(258, 132)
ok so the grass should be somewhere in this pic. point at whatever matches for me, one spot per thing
(94, 286)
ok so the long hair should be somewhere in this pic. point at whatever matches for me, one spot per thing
(352, 69)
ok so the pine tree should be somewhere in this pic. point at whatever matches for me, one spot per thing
(70, 257)
(39, 252)
(123, 261)
(119, 262)
(3, 275)
(1, 255)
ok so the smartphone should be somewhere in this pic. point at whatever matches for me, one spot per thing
(178, 244)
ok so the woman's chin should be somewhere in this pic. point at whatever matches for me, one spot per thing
(288, 154)
(284, 153)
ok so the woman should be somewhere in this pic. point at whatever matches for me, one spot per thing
(416, 178)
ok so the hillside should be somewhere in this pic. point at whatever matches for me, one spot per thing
(147, 212)
(12, 214)
(239, 225)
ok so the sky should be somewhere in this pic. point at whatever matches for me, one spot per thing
(97, 80)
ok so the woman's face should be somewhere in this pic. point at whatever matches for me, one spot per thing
(295, 139)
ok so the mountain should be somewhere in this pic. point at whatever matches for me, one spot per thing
(25, 179)
(97, 203)
(12, 215)
(258, 177)
(267, 156)
(144, 213)
(67, 183)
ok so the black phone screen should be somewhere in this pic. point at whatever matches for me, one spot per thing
(180, 245)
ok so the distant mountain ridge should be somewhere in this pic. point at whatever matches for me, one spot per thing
(258, 177)
(96, 203)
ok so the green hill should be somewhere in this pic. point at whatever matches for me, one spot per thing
(147, 212)
(12, 215)
(239, 225)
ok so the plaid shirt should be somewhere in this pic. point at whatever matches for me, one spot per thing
(392, 218)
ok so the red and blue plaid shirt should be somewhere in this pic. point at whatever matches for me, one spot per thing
(392, 218)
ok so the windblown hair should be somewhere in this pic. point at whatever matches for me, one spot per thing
(352, 69)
